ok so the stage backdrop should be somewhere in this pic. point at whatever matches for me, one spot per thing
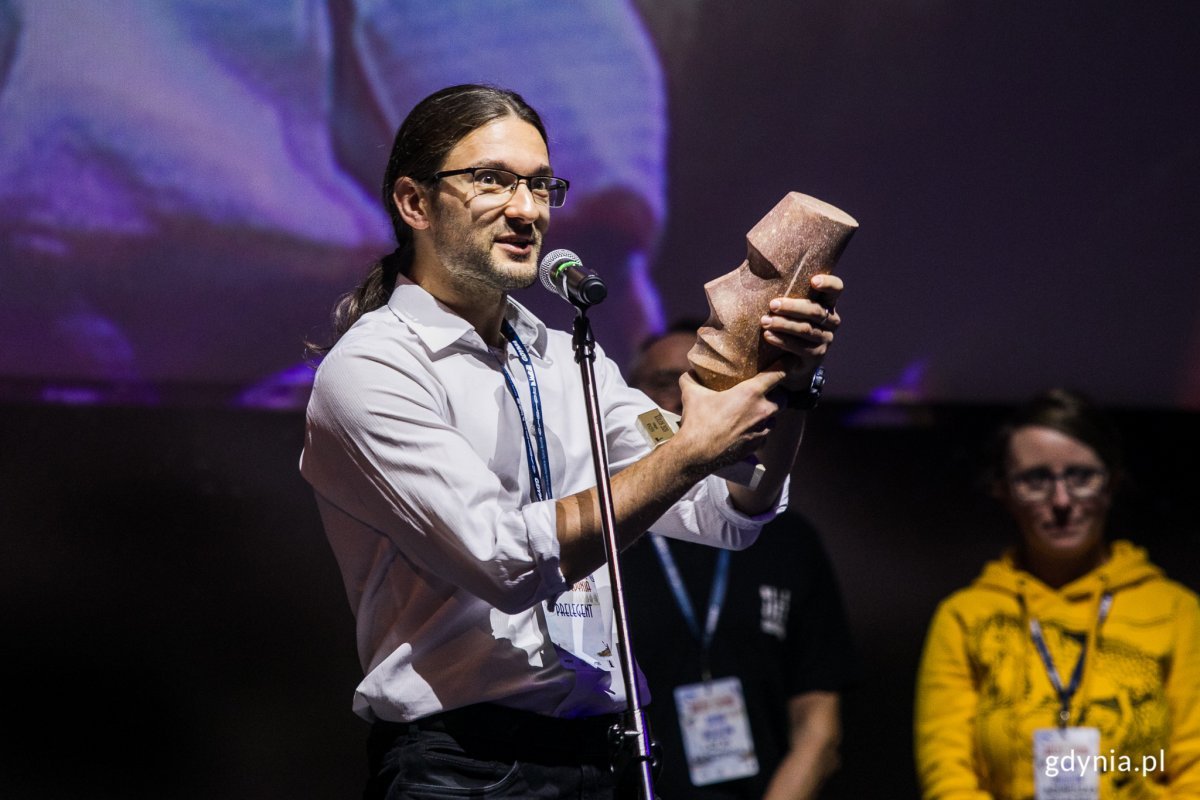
(186, 187)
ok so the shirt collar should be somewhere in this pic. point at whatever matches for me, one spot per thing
(438, 327)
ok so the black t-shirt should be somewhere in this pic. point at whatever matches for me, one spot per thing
(782, 632)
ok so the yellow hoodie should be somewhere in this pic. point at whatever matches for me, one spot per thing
(982, 689)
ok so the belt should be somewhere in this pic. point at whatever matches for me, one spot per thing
(517, 734)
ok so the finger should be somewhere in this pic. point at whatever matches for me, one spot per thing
(826, 289)
(815, 328)
(765, 381)
(689, 387)
(830, 320)
(799, 309)
(807, 345)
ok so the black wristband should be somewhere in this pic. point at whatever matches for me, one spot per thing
(807, 400)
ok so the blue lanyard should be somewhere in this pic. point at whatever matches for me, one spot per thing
(539, 467)
(1066, 693)
(716, 596)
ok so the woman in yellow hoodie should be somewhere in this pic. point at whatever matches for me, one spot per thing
(1070, 669)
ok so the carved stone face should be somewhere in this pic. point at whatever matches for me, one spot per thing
(800, 237)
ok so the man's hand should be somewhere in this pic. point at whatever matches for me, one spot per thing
(803, 329)
(720, 428)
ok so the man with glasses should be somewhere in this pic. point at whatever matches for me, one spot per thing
(448, 447)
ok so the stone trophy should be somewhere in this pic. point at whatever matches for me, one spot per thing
(800, 237)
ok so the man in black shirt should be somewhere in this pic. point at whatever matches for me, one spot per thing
(760, 634)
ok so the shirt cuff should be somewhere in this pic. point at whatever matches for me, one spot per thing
(719, 491)
(542, 528)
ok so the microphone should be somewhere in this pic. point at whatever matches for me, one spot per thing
(564, 274)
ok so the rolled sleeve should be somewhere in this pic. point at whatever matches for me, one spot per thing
(544, 545)
(706, 516)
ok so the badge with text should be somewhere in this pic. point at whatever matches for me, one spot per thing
(1066, 763)
(716, 731)
(580, 622)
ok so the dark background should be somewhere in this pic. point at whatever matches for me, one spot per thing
(1026, 176)
(185, 187)
(175, 624)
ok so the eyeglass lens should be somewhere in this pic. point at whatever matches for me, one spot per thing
(545, 189)
(1039, 483)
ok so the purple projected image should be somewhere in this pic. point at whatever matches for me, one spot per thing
(186, 188)
(1024, 174)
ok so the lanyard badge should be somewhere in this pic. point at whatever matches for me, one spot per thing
(713, 719)
(539, 464)
(1065, 693)
(1062, 755)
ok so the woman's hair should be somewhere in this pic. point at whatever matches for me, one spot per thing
(425, 138)
(1068, 412)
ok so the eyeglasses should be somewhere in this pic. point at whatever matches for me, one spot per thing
(546, 189)
(1038, 484)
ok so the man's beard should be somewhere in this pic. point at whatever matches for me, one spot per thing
(472, 264)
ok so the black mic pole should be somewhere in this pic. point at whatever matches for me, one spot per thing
(633, 748)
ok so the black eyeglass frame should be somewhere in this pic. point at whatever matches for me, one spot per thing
(1079, 473)
(558, 185)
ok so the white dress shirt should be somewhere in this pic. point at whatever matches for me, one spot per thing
(415, 450)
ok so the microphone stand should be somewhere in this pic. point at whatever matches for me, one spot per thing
(631, 736)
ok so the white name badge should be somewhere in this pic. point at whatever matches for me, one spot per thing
(580, 622)
(1066, 763)
(716, 731)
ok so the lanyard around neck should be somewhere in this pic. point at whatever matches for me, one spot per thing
(1065, 693)
(539, 465)
(716, 596)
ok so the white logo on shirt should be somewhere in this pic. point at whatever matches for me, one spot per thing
(775, 605)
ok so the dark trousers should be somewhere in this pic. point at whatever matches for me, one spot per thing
(490, 751)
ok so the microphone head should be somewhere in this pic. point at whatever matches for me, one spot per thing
(552, 264)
